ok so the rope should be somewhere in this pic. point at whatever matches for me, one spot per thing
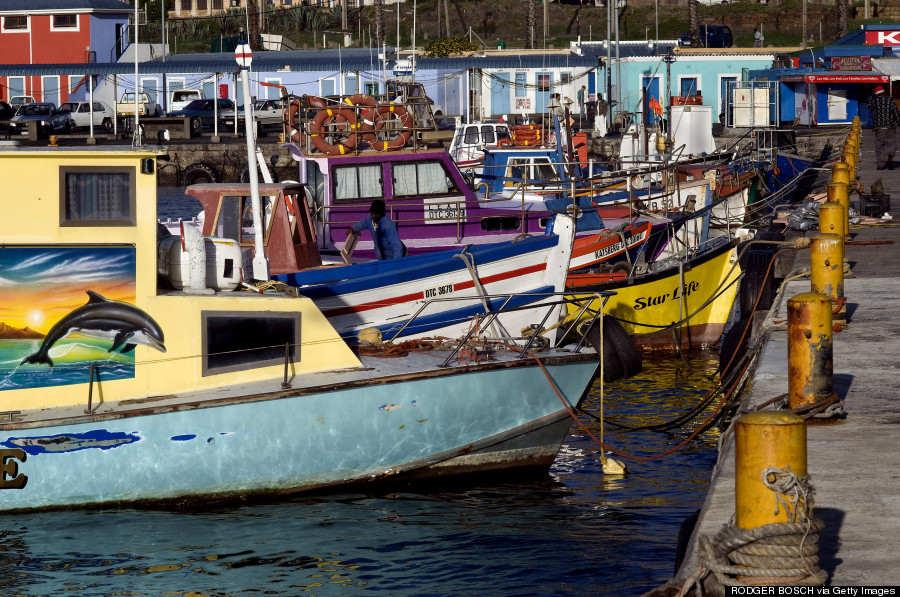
(782, 553)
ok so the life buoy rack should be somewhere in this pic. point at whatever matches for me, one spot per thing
(334, 122)
(390, 113)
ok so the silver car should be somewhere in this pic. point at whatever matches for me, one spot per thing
(45, 113)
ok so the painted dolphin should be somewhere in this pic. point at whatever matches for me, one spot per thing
(101, 317)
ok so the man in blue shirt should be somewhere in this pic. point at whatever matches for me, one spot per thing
(384, 232)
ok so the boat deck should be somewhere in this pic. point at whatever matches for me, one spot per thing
(853, 464)
(383, 367)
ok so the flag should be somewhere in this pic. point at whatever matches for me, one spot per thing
(654, 105)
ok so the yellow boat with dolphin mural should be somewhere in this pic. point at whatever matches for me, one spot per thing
(687, 304)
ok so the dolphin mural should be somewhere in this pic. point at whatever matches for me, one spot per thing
(100, 317)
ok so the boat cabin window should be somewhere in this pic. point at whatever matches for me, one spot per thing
(358, 182)
(471, 135)
(530, 169)
(422, 178)
(487, 135)
(246, 340)
(236, 218)
(97, 196)
(501, 224)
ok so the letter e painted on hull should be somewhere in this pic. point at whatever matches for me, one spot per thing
(9, 469)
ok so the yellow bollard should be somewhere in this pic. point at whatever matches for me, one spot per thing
(839, 192)
(849, 158)
(840, 172)
(810, 366)
(766, 439)
(833, 220)
(826, 261)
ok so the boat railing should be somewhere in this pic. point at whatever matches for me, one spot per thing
(551, 303)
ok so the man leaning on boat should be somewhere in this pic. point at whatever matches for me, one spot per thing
(383, 230)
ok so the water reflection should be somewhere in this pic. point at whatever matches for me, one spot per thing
(573, 532)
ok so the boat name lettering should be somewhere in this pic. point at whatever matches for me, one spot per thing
(616, 247)
(438, 291)
(642, 302)
(9, 468)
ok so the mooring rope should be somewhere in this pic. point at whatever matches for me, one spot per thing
(782, 553)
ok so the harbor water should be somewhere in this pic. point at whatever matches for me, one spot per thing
(572, 532)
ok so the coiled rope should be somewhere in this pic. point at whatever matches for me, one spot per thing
(782, 553)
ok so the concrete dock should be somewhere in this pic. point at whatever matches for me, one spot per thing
(853, 463)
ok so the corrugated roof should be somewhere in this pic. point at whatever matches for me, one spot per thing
(22, 6)
(354, 59)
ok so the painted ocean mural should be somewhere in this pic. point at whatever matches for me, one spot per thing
(65, 308)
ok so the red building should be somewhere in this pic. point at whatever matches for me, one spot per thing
(54, 32)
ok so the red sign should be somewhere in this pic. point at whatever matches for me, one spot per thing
(847, 78)
(851, 63)
(883, 38)
(223, 90)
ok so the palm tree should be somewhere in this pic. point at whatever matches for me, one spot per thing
(379, 23)
(529, 26)
(842, 17)
(694, 20)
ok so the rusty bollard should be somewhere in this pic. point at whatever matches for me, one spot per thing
(810, 365)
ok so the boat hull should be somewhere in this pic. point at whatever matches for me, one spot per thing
(478, 419)
(648, 306)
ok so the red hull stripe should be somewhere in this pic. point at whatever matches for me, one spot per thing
(415, 296)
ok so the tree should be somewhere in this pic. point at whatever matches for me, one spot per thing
(694, 20)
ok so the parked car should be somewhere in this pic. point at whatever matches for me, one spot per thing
(200, 113)
(180, 98)
(712, 36)
(51, 121)
(6, 112)
(265, 112)
(17, 100)
(80, 114)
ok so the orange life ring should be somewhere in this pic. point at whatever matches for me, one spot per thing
(293, 113)
(365, 117)
(333, 121)
(504, 142)
(526, 127)
(398, 113)
(525, 142)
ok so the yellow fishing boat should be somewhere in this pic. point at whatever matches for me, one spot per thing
(687, 304)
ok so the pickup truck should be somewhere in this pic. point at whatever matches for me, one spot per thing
(180, 98)
(146, 107)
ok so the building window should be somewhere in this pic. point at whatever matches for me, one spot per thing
(97, 196)
(240, 341)
(201, 4)
(15, 22)
(65, 21)
(285, 2)
(217, 4)
(544, 81)
(521, 85)
(186, 5)
(565, 78)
